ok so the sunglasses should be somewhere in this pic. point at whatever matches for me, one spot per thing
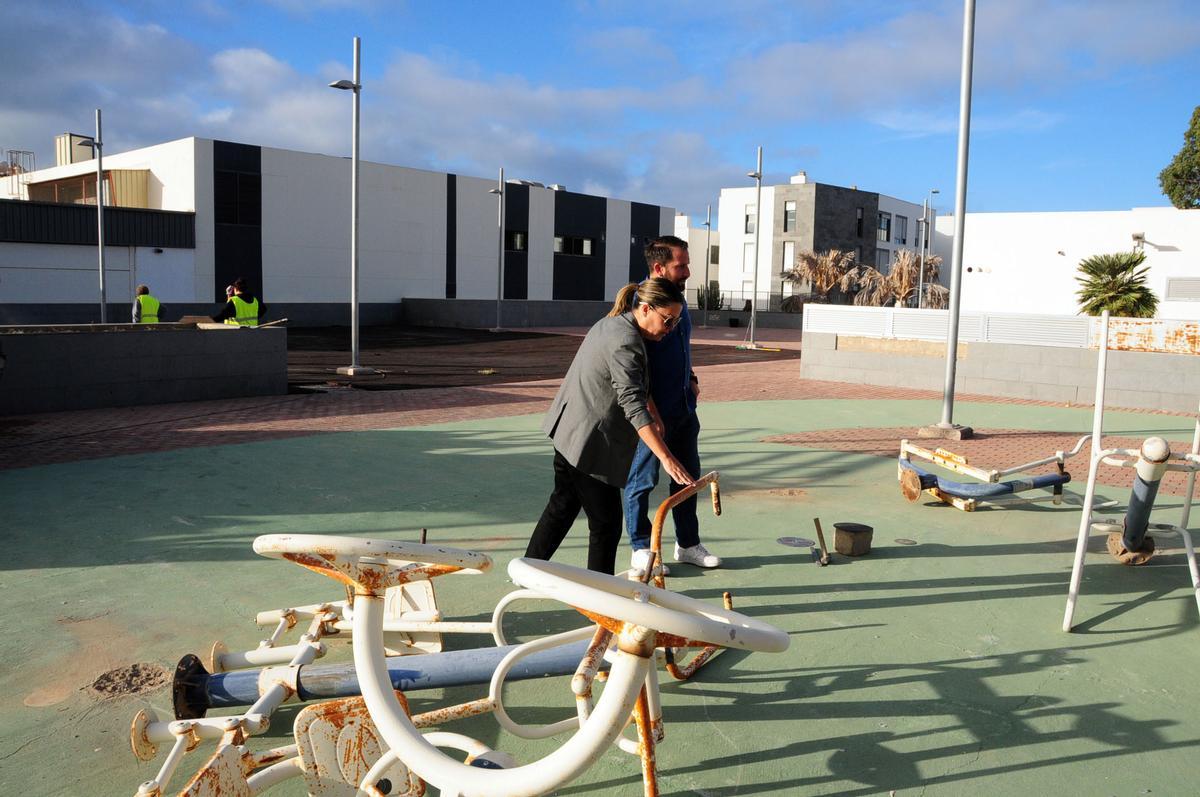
(669, 321)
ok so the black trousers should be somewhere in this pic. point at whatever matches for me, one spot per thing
(575, 490)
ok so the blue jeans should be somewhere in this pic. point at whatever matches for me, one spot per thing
(683, 439)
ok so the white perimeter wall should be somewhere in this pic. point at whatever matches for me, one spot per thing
(735, 274)
(1016, 266)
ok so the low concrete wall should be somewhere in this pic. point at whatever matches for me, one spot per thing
(68, 368)
(1142, 380)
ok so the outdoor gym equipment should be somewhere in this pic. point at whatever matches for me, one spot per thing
(992, 490)
(639, 617)
(1150, 462)
(713, 480)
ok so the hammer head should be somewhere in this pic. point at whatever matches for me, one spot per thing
(818, 558)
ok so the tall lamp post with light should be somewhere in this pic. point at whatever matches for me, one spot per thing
(355, 86)
(499, 192)
(97, 145)
(926, 218)
(757, 175)
(707, 261)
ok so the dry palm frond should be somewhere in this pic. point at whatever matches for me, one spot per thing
(821, 271)
(903, 276)
(937, 297)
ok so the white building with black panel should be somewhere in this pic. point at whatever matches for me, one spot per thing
(280, 219)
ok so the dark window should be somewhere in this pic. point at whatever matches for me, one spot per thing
(751, 218)
(885, 227)
(515, 240)
(572, 245)
(859, 228)
(789, 216)
(715, 253)
(236, 198)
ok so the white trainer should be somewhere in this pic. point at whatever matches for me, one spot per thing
(638, 561)
(696, 555)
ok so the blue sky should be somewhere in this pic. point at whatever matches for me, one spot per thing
(1077, 105)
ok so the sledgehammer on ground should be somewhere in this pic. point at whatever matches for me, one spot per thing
(824, 560)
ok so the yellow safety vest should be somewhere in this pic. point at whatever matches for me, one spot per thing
(245, 313)
(150, 307)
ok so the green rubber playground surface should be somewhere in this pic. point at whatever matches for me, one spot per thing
(932, 666)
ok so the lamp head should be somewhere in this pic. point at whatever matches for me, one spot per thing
(345, 85)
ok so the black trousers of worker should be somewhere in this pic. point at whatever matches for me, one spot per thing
(575, 490)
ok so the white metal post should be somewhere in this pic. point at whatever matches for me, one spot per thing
(1089, 495)
(99, 147)
(499, 191)
(707, 260)
(960, 211)
(921, 250)
(758, 222)
(354, 369)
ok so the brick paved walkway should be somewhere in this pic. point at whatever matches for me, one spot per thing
(50, 438)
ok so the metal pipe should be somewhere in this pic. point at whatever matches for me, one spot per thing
(1089, 495)
(707, 259)
(1151, 465)
(500, 252)
(921, 249)
(758, 222)
(407, 673)
(354, 156)
(960, 212)
(97, 143)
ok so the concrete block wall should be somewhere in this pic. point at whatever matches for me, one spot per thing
(116, 366)
(1141, 380)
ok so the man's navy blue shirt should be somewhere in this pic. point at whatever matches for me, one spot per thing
(670, 362)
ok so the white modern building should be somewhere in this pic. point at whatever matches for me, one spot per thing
(698, 237)
(187, 217)
(805, 216)
(1028, 262)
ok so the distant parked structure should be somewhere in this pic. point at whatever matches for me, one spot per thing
(191, 215)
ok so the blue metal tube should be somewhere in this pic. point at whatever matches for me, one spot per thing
(407, 673)
(989, 490)
(1151, 465)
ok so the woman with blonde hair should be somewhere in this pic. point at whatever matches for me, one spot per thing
(597, 418)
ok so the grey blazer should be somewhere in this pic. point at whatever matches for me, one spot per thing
(602, 402)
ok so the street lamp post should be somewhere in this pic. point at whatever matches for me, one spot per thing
(97, 144)
(499, 192)
(946, 428)
(758, 214)
(355, 86)
(707, 261)
(923, 244)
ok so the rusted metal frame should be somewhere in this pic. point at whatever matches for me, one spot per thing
(952, 462)
(682, 673)
(585, 673)
(712, 478)
(440, 716)
(646, 745)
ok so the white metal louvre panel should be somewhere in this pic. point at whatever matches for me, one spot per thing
(921, 324)
(867, 322)
(1038, 330)
(1183, 289)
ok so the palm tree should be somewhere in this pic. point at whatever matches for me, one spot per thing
(821, 271)
(1116, 283)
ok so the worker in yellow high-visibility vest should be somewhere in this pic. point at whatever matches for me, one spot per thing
(242, 308)
(145, 307)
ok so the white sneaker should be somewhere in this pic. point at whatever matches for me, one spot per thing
(696, 555)
(638, 561)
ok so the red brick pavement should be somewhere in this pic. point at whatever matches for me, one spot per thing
(89, 434)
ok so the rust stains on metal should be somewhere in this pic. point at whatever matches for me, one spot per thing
(1151, 334)
(646, 740)
(319, 565)
(440, 716)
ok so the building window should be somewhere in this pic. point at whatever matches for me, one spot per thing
(751, 218)
(748, 257)
(789, 256)
(859, 227)
(789, 216)
(885, 228)
(572, 245)
(883, 260)
(714, 253)
(902, 230)
(515, 240)
(236, 197)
